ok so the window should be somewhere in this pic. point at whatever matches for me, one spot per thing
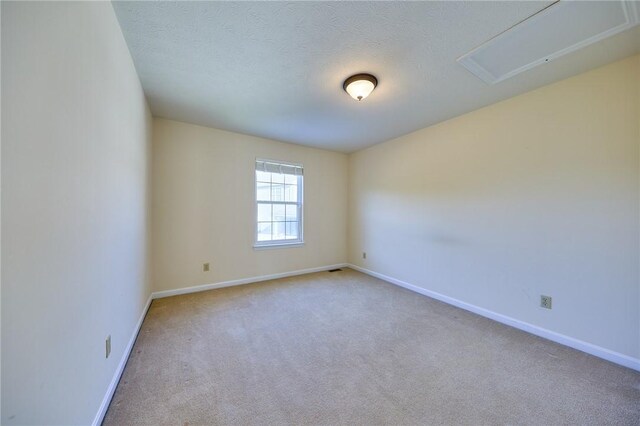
(278, 203)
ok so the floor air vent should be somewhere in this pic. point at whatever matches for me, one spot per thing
(561, 28)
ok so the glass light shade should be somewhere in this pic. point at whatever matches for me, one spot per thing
(360, 89)
(360, 86)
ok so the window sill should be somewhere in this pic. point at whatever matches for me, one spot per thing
(278, 245)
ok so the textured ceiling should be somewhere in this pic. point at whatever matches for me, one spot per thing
(275, 69)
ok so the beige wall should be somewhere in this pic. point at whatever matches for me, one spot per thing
(535, 195)
(539, 194)
(75, 155)
(204, 207)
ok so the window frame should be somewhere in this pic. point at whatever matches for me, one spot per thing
(271, 244)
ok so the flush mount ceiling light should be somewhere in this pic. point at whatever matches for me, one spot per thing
(360, 86)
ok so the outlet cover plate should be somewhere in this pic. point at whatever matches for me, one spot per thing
(545, 302)
(107, 346)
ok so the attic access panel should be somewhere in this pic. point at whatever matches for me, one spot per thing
(557, 30)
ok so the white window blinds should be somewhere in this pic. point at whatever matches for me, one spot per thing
(280, 168)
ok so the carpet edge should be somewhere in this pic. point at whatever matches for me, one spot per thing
(589, 348)
(106, 401)
(242, 281)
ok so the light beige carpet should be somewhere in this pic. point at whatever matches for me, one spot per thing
(345, 348)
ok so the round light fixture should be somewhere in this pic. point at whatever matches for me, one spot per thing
(360, 86)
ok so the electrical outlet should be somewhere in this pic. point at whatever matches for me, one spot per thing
(364, 254)
(205, 267)
(545, 302)
(107, 346)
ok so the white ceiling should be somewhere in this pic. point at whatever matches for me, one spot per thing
(275, 69)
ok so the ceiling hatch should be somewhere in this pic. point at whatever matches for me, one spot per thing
(557, 30)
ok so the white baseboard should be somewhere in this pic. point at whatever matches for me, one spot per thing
(123, 361)
(241, 281)
(600, 352)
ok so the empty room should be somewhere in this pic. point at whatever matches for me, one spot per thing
(320, 213)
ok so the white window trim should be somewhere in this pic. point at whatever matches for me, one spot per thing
(275, 244)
